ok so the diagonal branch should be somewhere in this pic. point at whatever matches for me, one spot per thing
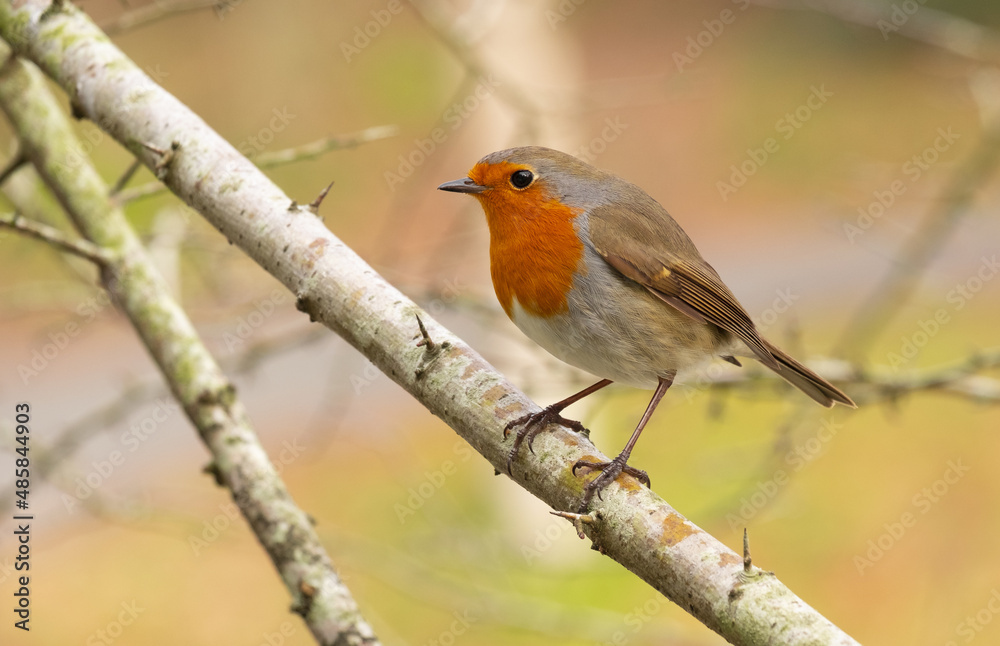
(949, 32)
(875, 385)
(474, 65)
(12, 166)
(958, 36)
(197, 382)
(41, 231)
(903, 277)
(159, 10)
(305, 152)
(336, 287)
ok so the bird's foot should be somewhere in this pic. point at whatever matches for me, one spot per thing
(534, 423)
(609, 472)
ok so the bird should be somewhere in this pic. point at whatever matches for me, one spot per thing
(597, 272)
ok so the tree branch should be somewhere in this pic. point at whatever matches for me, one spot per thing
(156, 11)
(68, 441)
(957, 36)
(41, 231)
(874, 385)
(903, 277)
(464, 53)
(12, 166)
(950, 33)
(336, 287)
(208, 398)
(307, 151)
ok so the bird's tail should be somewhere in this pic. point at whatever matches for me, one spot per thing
(821, 390)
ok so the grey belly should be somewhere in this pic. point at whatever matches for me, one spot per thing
(616, 329)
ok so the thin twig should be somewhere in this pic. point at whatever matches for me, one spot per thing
(875, 384)
(325, 145)
(898, 284)
(474, 64)
(950, 33)
(154, 12)
(102, 419)
(132, 396)
(305, 152)
(15, 163)
(126, 176)
(957, 36)
(76, 246)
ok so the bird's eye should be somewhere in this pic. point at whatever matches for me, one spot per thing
(521, 178)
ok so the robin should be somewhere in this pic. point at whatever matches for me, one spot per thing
(597, 272)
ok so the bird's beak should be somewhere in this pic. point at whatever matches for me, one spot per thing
(464, 185)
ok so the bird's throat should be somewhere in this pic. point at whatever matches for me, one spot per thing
(534, 254)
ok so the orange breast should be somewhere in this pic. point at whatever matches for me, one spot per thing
(534, 250)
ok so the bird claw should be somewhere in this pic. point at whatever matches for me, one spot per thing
(531, 425)
(609, 473)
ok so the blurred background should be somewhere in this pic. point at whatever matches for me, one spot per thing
(811, 151)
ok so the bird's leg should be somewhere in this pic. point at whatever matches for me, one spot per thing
(534, 423)
(611, 470)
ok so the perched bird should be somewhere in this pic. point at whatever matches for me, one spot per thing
(595, 271)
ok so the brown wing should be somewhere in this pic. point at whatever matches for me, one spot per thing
(647, 246)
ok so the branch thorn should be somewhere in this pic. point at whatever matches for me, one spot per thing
(578, 520)
(426, 341)
(314, 205)
(166, 156)
(747, 561)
